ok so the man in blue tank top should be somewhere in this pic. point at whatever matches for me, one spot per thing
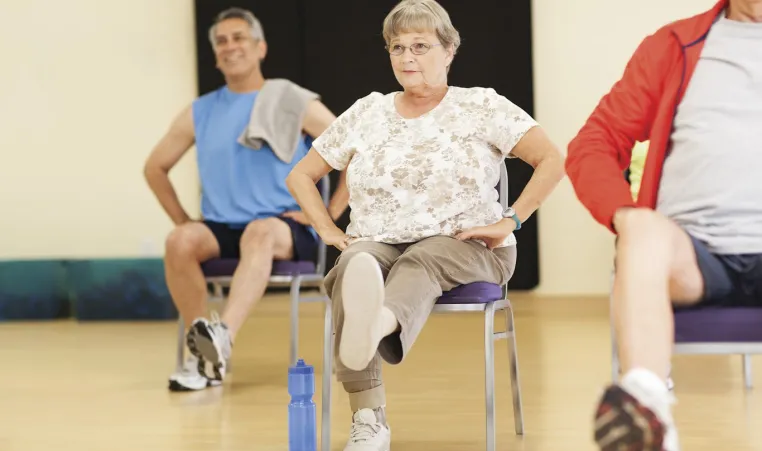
(248, 212)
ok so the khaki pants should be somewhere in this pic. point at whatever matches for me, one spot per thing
(416, 275)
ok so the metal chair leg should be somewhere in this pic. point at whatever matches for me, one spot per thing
(513, 359)
(747, 378)
(218, 294)
(328, 343)
(180, 344)
(489, 372)
(295, 288)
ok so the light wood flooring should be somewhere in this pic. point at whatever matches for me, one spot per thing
(102, 386)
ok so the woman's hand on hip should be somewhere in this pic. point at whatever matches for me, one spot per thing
(493, 235)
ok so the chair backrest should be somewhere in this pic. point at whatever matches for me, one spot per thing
(502, 195)
(502, 186)
(324, 186)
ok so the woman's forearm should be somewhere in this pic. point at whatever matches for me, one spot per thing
(340, 199)
(308, 197)
(547, 174)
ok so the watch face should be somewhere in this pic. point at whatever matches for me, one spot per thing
(508, 213)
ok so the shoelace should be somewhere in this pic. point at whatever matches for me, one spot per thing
(221, 330)
(362, 431)
(216, 324)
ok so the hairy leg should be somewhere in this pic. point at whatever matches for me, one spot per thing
(187, 246)
(262, 242)
(655, 267)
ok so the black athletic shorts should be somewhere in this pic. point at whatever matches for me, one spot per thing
(229, 239)
(729, 280)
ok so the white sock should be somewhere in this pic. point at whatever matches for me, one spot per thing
(646, 379)
(389, 322)
(651, 391)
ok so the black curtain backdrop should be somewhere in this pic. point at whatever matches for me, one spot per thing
(336, 49)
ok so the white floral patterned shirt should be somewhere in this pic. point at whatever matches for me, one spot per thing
(436, 174)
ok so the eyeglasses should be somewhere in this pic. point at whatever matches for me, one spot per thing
(419, 48)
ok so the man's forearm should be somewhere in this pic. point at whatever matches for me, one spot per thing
(158, 181)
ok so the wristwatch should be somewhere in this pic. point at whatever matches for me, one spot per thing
(511, 213)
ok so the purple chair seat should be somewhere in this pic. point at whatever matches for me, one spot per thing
(718, 325)
(225, 267)
(472, 293)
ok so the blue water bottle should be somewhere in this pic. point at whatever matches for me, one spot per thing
(302, 416)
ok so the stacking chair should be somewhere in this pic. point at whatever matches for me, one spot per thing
(474, 297)
(218, 273)
(712, 330)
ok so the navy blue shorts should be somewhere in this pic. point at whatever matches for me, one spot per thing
(729, 280)
(229, 239)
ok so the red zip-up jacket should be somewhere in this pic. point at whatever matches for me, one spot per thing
(641, 106)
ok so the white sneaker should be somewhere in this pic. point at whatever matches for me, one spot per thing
(210, 342)
(367, 433)
(189, 379)
(637, 415)
(362, 296)
(670, 382)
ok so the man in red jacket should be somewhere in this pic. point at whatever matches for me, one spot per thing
(694, 89)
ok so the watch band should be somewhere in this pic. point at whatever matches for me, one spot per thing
(511, 213)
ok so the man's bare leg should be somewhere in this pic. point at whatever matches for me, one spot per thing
(262, 241)
(187, 246)
(656, 266)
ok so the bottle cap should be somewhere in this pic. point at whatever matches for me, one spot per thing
(301, 368)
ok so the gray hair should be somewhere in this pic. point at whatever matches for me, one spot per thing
(421, 15)
(238, 13)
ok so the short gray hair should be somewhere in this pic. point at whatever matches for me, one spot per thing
(421, 15)
(238, 13)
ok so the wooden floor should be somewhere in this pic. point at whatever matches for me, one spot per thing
(102, 386)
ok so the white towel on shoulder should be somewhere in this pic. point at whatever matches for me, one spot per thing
(277, 117)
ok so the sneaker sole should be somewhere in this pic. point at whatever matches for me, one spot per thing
(176, 386)
(362, 294)
(201, 344)
(623, 424)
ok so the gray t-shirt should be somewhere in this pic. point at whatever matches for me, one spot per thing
(712, 179)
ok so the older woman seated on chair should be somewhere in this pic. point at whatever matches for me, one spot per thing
(422, 166)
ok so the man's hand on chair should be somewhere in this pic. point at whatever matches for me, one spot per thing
(492, 235)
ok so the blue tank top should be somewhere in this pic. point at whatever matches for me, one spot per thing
(238, 184)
